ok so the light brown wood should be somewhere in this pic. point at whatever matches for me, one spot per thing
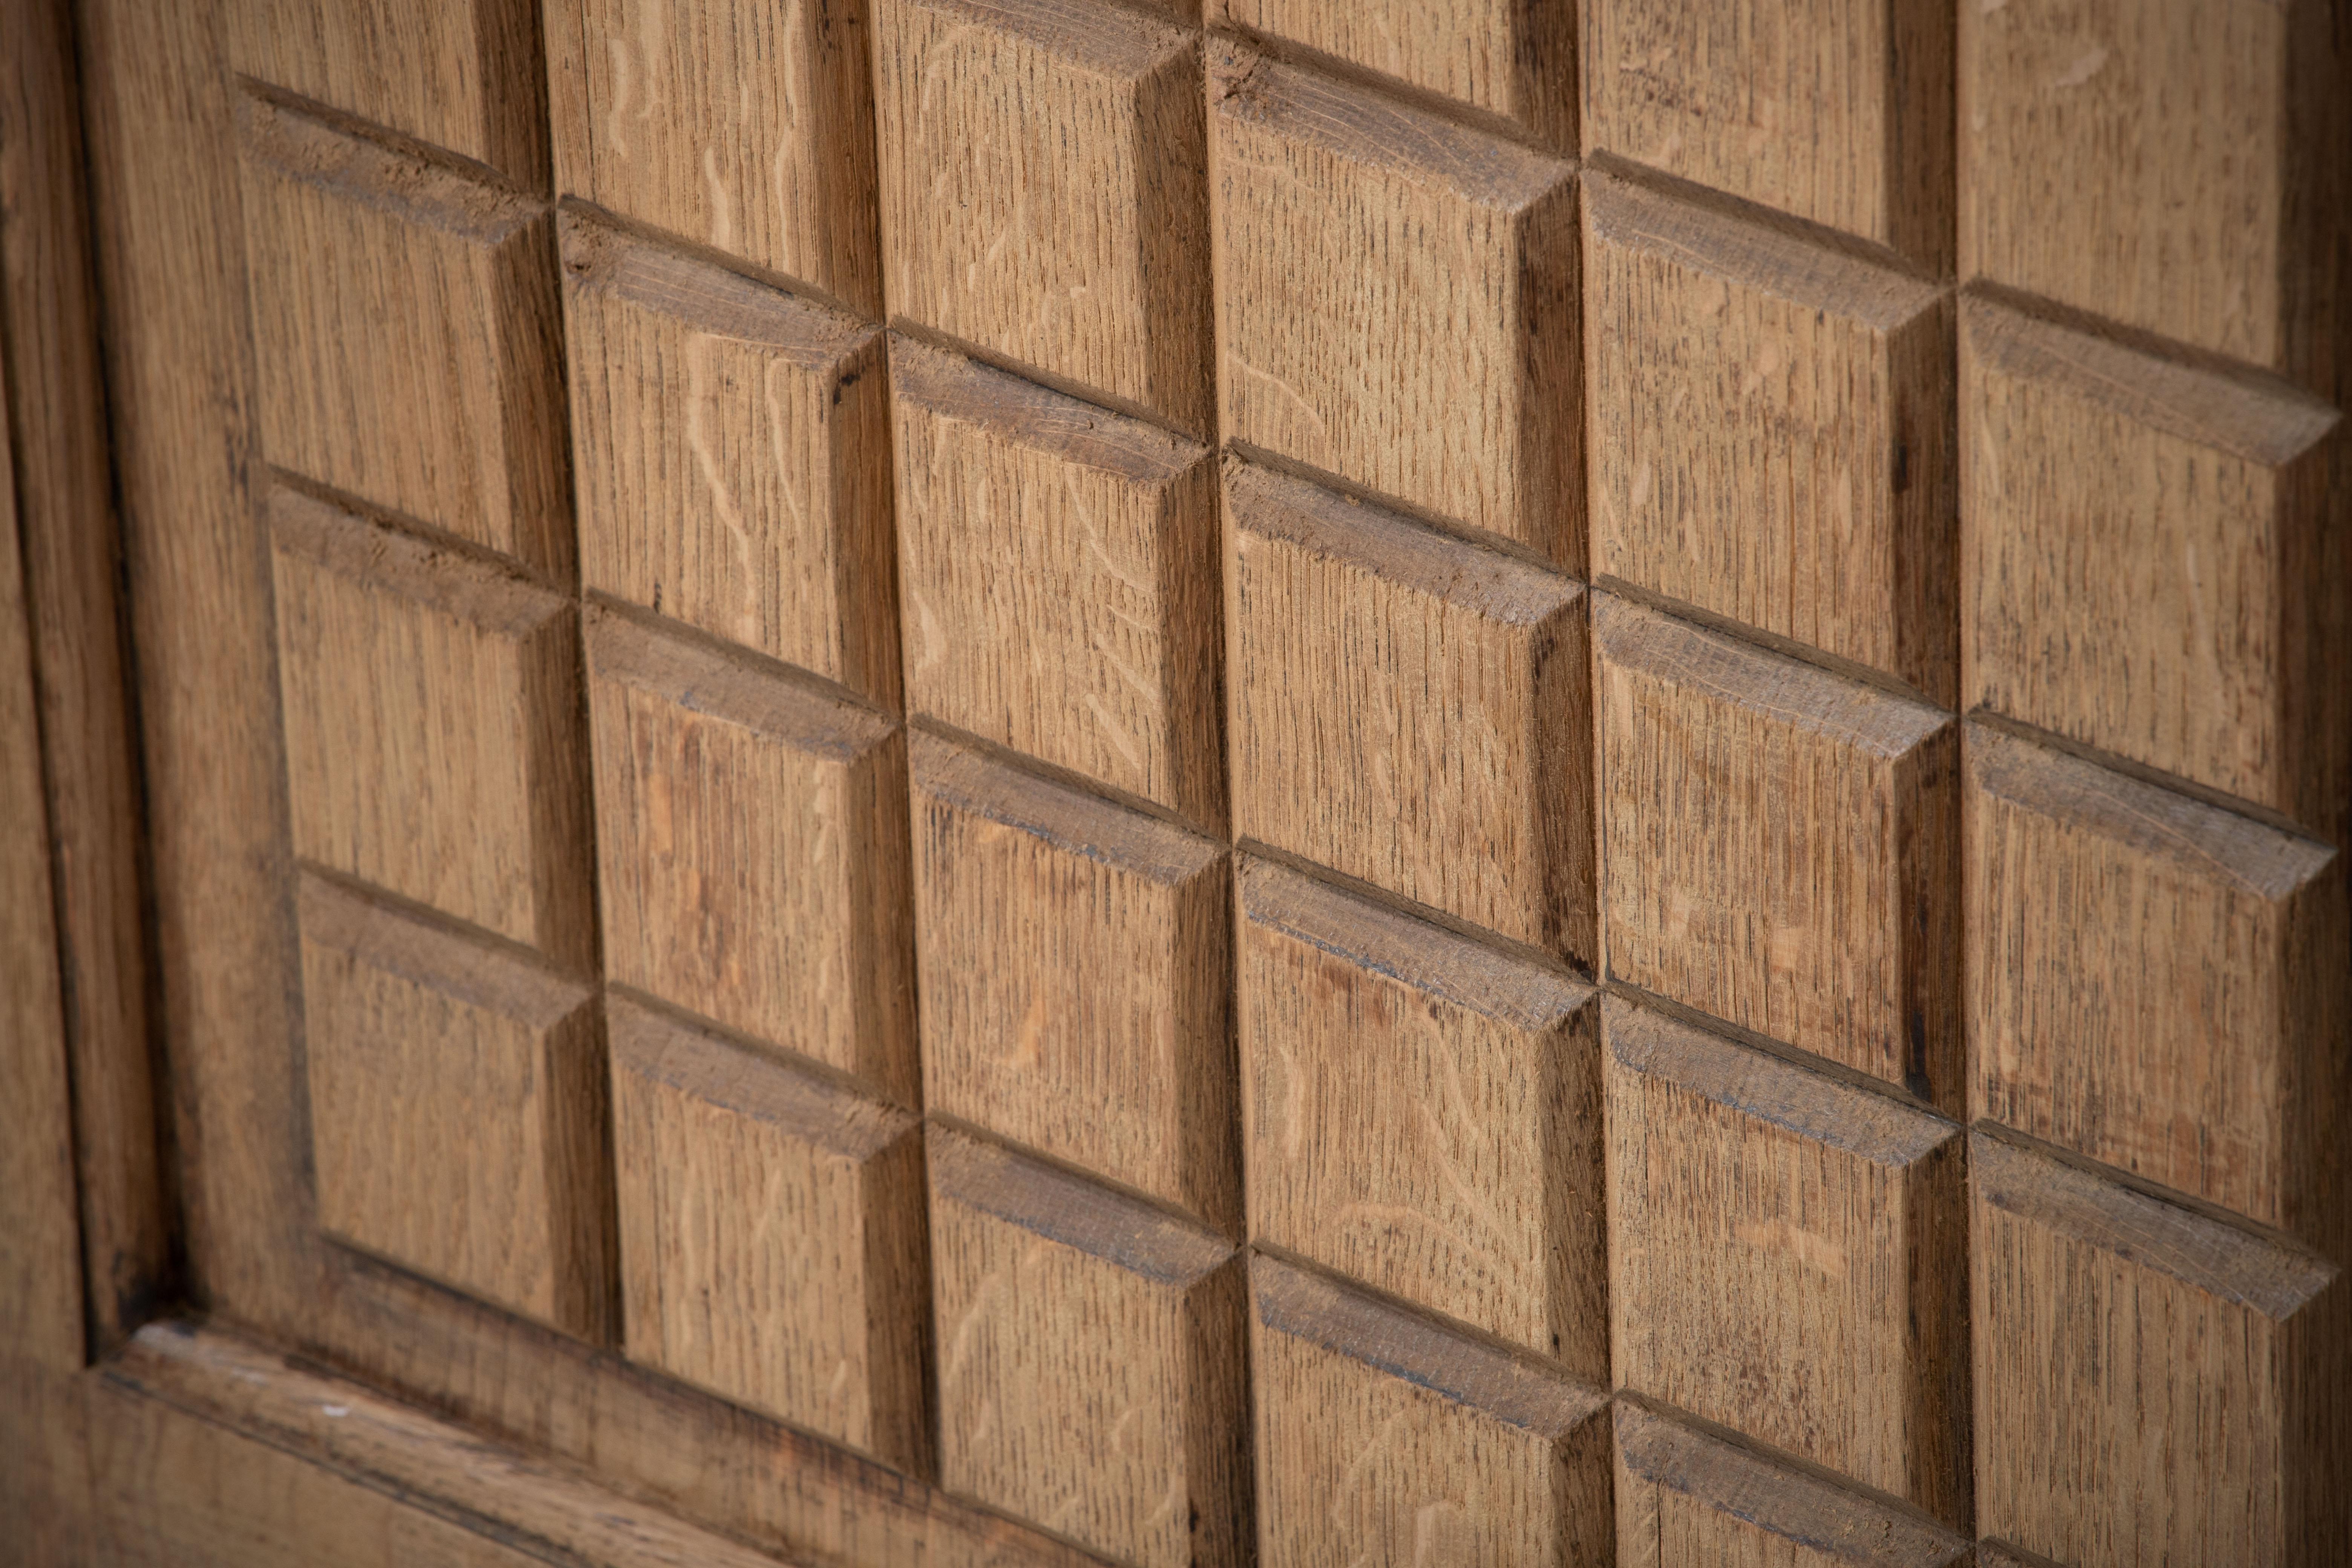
(771, 1234)
(1423, 1114)
(1687, 1499)
(1044, 193)
(1396, 695)
(2154, 565)
(1778, 846)
(1838, 111)
(1091, 1359)
(2153, 1383)
(458, 1105)
(1383, 1438)
(1392, 302)
(1788, 1257)
(1057, 569)
(432, 725)
(1771, 429)
(2158, 984)
(1073, 959)
(752, 850)
(406, 324)
(731, 446)
(466, 76)
(745, 126)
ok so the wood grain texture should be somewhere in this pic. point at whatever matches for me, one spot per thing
(1406, 708)
(752, 850)
(745, 126)
(457, 1108)
(1045, 190)
(432, 744)
(1383, 1438)
(1058, 567)
(1772, 430)
(408, 333)
(1073, 964)
(1512, 59)
(2157, 984)
(1687, 1499)
(731, 447)
(772, 1237)
(1786, 1257)
(1423, 1114)
(2153, 560)
(467, 76)
(2152, 1383)
(1838, 111)
(1091, 1359)
(1392, 302)
(1778, 848)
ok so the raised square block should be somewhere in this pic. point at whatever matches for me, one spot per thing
(1772, 430)
(771, 1234)
(408, 340)
(456, 1095)
(2153, 1384)
(464, 76)
(1410, 710)
(432, 744)
(751, 838)
(1780, 848)
(1513, 59)
(1072, 955)
(1423, 1114)
(1786, 1257)
(1396, 301)
(1687, 1499)
(1045, 190)
(1838, 111)
(733, 457)
(2152, 562)
(1091, 1367)
(1383, 1437)
(1052, 560)
(2157, 984)
(743, 126)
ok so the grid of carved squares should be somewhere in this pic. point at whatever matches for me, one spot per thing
(1769, 1244)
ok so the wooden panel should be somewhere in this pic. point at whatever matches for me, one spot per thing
(1382, 1438)
(752, 850)
(406, 322)
(1073, 961)
(732, 448)
(1687, 1499)
(464, 76)
(1779, 848)
(2153, 1384)
(1091, 1364)
(1786, 1257)
(1819, 502)
(1423, 1114)
(770, 1235)
(1390, 291)
(456, 1108)
(1397, 695)
(432, 726)
(742, 126)
(1515, 59)
(2157, 984)
(1045, 190)
(1834, 110)
(1057, 562)
(2151, 562)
